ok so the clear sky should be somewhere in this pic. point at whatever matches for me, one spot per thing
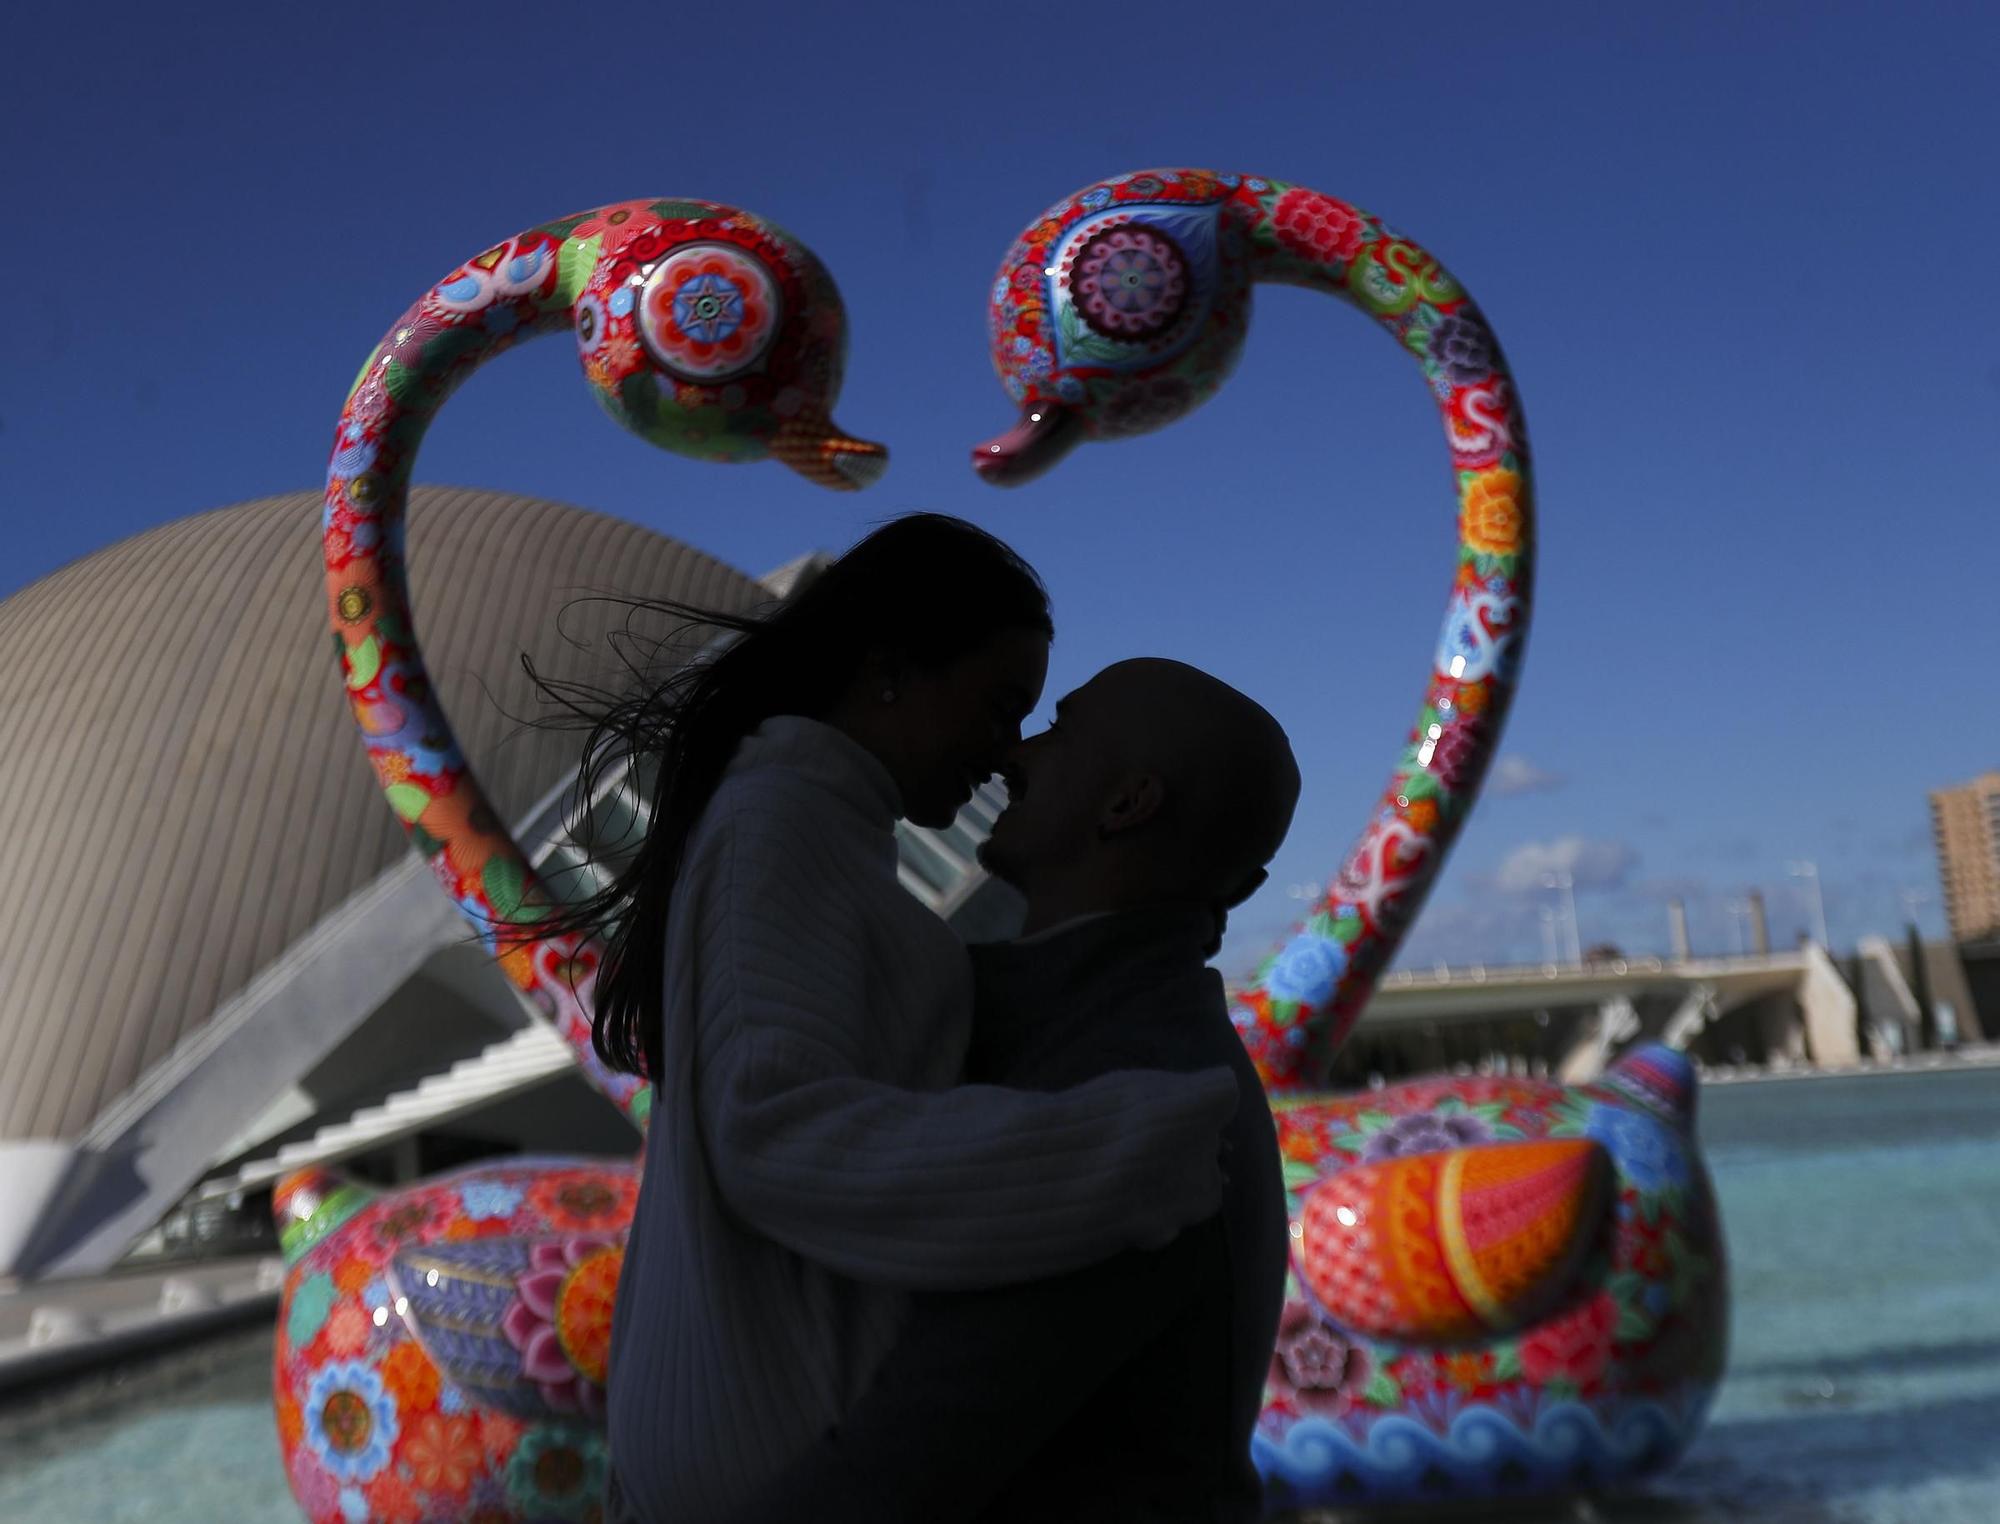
(1741, 256)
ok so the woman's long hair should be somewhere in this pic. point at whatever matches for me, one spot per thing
(925, 587)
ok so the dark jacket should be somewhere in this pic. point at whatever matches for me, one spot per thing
(1124, 1391)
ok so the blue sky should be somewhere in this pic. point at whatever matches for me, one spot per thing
(1738, 253)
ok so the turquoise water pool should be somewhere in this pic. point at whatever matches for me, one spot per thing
(1863, 1217)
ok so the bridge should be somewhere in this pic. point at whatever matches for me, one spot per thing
(1780, 1009)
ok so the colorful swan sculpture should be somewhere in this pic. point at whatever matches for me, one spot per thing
(441, 1349)
(1499, 1286)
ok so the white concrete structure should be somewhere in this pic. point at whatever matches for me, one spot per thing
(222, 959)
(1790, 1008)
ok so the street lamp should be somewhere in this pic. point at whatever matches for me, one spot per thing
(1809, 871)
(1560, 879)
(1550, 954)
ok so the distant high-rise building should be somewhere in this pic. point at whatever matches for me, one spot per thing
(1965, 822)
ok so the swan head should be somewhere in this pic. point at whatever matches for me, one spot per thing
(715, 334)
(1120, 309)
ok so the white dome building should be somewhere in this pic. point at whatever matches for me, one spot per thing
(222, 961)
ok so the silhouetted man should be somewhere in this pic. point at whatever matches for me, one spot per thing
(1128, 1390)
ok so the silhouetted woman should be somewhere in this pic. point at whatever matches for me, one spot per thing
(804, 1019)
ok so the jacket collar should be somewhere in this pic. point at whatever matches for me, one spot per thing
(825, 756)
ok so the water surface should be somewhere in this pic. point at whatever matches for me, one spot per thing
(1863, 1218)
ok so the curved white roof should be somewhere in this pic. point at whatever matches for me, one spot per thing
(182, 791)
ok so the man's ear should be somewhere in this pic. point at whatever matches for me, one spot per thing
(1138, 798)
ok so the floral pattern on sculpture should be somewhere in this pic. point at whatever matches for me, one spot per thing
(1624, 1332)
(1315, 1368)
(350, 1420)
(560, 1321)
(1574, 1348)
(1307, 970)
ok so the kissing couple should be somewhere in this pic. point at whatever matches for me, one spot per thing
(929, 1232)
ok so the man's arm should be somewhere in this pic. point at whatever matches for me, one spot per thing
(950, 1189)
(979, 1382)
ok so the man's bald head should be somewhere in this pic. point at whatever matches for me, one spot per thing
(1230, 781)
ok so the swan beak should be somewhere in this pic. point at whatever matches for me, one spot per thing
(1046, 433)
(828, 456)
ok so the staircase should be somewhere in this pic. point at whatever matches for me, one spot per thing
(575, 851)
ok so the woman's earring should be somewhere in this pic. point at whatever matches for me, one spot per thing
(888, 695)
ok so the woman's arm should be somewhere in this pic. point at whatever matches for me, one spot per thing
(970, 1187)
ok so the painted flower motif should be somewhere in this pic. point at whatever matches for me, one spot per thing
(312, 1300)
(353, 1275)
(585, 1203)
(459, 820)
(557, 1473)
(1456, 751)
(1427, 1132)
(410, 1377)
(1317, 226)
(560, 1320)
(708, 312)
(1095, 200)
(347, 1330)
(1490, 519)
(353, 605)
(1462, 346)
(1314, 1366)
(371, 403)
(1130, 282)
(614, 224)
(350, 1421)
(443, 1453)
(391, 1500)
(1647, 1153)
(1467, 1371)
(1307, 970)
(318, 1494)
(1574, 1347)
(387, 1230)
(354, 453)
(498, 1433)
(407, 339)
(482, 1199)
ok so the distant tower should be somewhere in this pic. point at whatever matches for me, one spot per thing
(1677, 925)
(1760, 926)
(1965, 824)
